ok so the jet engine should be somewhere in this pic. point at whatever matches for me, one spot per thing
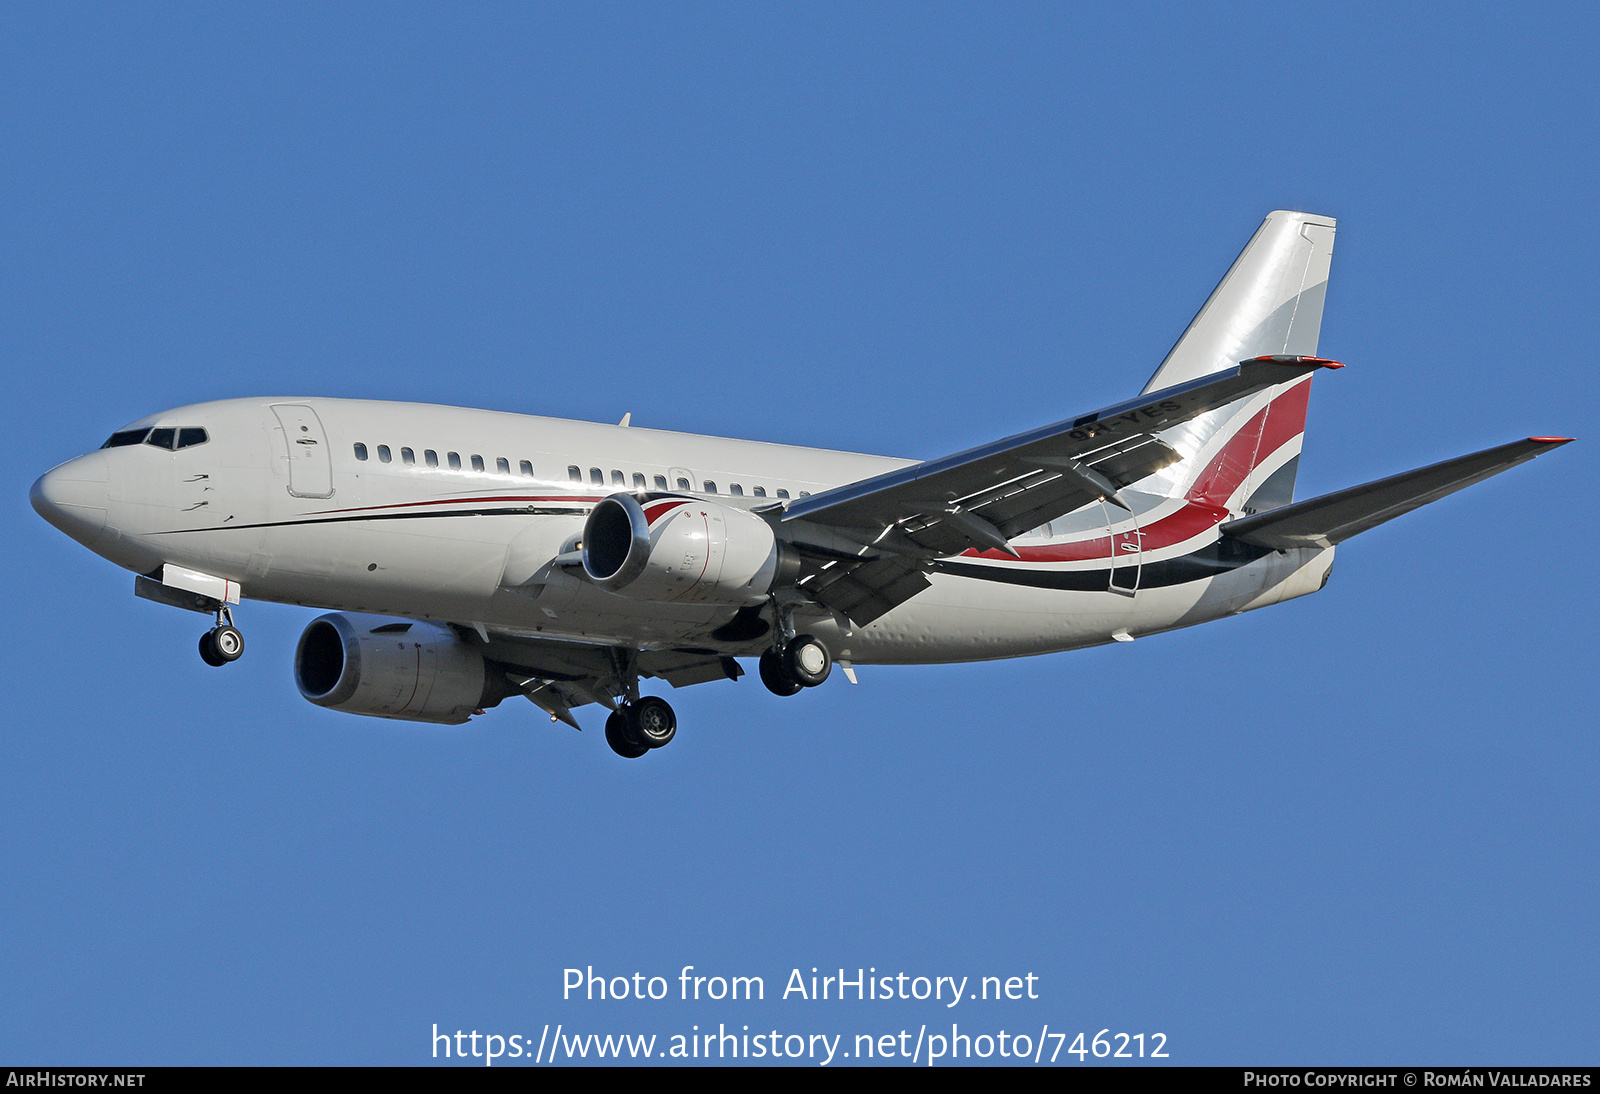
(683, 549)
(387, 668)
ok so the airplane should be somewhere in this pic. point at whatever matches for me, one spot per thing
(468, 556)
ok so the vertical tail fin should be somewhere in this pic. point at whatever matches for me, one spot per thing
(1270, 301)
(1244, 456)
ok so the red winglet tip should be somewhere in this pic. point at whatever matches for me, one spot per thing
(1551, 440)
(1292, 359)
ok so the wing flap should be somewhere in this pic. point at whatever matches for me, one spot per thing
(1334, 518)
(681, 668)
(557, 675)
(550, 698)
(863, 592)
(1028, 477)
(897, 523)
(1037, 496)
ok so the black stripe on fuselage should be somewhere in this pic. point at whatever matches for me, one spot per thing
(576, 508)
(521, 511)
(1219, 558)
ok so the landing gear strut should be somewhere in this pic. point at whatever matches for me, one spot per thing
(801, 662)
(636, 727)
(222, 643)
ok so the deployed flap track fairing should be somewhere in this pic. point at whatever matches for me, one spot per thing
(469, 556)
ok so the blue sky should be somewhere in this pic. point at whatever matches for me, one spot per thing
(1357, 828)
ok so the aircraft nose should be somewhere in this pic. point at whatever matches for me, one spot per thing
(74, 497)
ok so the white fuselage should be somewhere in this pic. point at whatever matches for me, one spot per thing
(460, 515)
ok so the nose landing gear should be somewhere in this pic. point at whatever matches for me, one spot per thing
(222, 643)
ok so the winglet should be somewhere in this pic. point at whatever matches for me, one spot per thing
(1294, 359)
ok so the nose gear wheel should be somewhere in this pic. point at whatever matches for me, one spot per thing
(222, 643)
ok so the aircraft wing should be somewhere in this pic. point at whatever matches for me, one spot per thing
(557, 676)
(1334, 518)
(875, 534)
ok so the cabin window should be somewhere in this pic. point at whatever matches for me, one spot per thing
(477, 462)
(782, 493)
(408, 457)
(759, 491)
(383, 454)
(574, 472)
(188, 438)
(736, 490)
(454, 460)
(430, 457)
(597, 476)
(805, 493)
(683, 484)
(711, 487)
(618, 479)
(502, 465)
(661, 482)
(361, 451)
(526, 466)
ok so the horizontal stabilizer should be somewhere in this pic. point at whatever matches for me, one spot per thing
(1334, 518)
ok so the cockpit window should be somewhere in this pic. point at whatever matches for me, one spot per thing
(165, 437)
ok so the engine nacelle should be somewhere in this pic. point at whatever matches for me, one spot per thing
(388, 668)
(683, 549)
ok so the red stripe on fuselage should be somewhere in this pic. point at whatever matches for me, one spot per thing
(465, 501)
(1188, 522)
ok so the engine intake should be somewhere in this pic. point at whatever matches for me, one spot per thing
(387, 668)
(683, 549)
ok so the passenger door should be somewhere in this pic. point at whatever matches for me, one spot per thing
(310, 463)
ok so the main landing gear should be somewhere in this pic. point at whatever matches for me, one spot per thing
(801, 662)
(637, 723)
(636, 727)
(222, 643)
